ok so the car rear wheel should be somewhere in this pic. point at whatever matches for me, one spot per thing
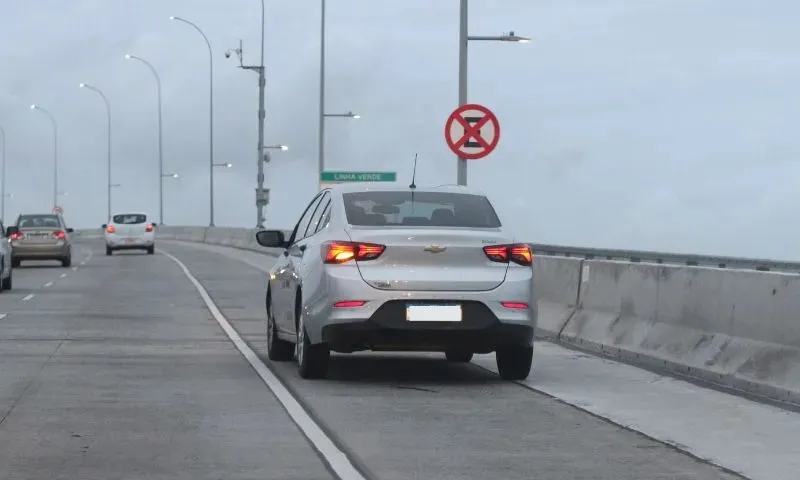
(7, 283)
(278, 350)
(458, 356)
(109, 251)
(514, 361)
(313, 361)
(16, 262)
(151, 250)
(66, 261)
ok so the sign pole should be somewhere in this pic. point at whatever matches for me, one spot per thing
(463, 39)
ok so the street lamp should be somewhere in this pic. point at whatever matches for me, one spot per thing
(108, 116)
(322, 114)
(160, 137)
(210, 116)
(223, 165)
(55, 151)
(463, 39)
(276, 147)
(259, 69)
(169, 175)
(3, 172)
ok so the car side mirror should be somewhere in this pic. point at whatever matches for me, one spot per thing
(105, 225)
(70, 230)
(271, 239)
(11, 230)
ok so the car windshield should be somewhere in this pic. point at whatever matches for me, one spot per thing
(38, 221)
(129, 218)
(430, 209)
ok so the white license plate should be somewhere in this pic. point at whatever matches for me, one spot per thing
(433, 313)
(129, 240)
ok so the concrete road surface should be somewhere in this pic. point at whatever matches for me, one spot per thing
(117, 369)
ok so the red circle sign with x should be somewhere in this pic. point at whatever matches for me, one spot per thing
(472, 131)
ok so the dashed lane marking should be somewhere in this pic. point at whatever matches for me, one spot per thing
(63, 275)
(3, 315)
(48, 284)
(27, 297)
(334, 456)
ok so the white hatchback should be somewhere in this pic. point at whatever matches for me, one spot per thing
(130, 231)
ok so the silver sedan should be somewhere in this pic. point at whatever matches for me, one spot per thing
(400, 269)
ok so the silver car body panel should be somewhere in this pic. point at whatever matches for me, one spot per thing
(420, 263)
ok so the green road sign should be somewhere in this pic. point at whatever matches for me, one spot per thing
(341, 177)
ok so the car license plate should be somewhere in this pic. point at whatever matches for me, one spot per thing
(433, 313)
(128, 240)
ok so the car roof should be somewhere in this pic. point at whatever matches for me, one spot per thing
(129, 213)
(395, 187)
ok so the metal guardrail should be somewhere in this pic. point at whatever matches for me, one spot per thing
(639, 256)
(762, 265)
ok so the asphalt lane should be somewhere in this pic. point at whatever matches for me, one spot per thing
(417, 416)
(118, 371)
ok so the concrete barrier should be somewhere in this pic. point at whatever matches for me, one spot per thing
(735, 328)
(739, 329)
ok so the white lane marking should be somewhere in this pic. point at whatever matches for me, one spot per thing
(74, 269)
(48, 284)
(3, 315)
(63, 275)
(27, 297)
(83, 262)
(335, 457)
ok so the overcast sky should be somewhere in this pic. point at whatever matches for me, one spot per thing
(646, 124)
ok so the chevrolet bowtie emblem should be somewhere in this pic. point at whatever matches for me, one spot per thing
(435, 249)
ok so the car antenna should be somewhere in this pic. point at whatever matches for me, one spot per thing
(413, 185)
(414, 173)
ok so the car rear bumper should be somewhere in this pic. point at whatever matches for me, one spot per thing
(122, 242)
(479, 331)
(381, 323)
(33, 252)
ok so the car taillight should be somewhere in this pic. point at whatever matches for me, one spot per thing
(59, 234)
(343, 252)
(518, 253)
(515, 305)
(16, 236)
(111, 229)
(148, 228)
(349, 304)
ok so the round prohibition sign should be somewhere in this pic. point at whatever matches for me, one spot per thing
(472, 131)
(58, 210)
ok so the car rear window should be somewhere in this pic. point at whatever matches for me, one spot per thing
(38, 221)
(429, 209)
(129, 218)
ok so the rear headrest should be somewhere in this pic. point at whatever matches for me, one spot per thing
(443, 215)
(418, 221)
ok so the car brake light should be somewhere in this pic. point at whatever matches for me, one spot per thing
(16, 236)
(518, 253)
(111, 229)
(59, 234)
(515, 305)
(343, 252)
(148, 228)
(349, 303)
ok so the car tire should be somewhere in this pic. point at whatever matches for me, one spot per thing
(313, 360)
(514, 361)
(278, 350)
(151, 250)
(7, 282)
(458, 356)
(109, 251)
(66, 261)
(15, 262)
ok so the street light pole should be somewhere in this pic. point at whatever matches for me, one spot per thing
(463, 40)
(3, 168)
(108, 118)
(259, 69)
(55, 152)
(321, 128)
(160, 139)
(210, 113)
